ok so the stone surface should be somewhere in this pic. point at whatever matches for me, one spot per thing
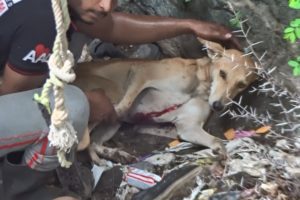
(267, 19)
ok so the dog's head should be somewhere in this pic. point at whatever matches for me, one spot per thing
(231, 72)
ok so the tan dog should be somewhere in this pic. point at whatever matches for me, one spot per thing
(181, 91)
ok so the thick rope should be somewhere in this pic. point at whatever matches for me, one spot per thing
(62, 134)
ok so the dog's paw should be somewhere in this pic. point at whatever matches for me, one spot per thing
(123, 157)
(100, 152)
(219, 148)
(96, 158)
(121, 111)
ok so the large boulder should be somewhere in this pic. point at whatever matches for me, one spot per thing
(266, 18)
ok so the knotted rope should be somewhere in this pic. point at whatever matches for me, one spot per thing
(62, 134)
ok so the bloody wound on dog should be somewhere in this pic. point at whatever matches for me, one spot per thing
(191, 87)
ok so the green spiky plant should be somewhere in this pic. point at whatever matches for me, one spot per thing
(292, 33)
(295, 65)
(235, 22)
(294, 4)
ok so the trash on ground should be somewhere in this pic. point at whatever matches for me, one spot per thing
(232, 134)
(97, 172)
(161, 159)
(174, 143)
(206, 194)
(255, 167)
(140, 178)
(180, 146)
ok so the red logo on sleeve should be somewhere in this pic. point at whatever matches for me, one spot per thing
(39, 54)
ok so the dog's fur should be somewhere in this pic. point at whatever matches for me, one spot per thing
(181, 91)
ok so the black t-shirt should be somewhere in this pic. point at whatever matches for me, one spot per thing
(27, 35)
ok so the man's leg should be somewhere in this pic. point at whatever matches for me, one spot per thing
(22, 127)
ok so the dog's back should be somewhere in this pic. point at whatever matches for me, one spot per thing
(114, 76)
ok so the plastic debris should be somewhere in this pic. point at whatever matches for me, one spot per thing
(124, 191)
(242, 134)
(205, 153)
(282, 197)
(232, 134)
(231, 195)
(270, 188)
(283, 145)
(204, 161)
(247, 193)
(181, 146)
(244, 145)
(197, 190)
(206, 194)
(246, 156)
(293, 172)
(161, 159)
(97, 172)
(297, 143)
(141, 179)
(255, 167)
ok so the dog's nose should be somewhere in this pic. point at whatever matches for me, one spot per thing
(217, 106)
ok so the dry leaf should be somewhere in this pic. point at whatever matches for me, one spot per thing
(263, 129)
(230, 134)
(174, 143)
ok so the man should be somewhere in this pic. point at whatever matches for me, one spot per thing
(26, 38)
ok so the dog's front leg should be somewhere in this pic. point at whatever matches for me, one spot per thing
(135, 87)
(102, 133)
(189, 123)
(197, 135)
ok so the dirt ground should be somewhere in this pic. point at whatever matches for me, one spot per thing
(181, 175)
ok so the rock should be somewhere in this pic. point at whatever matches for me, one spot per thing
(161, 159)
(267, 19)
(270, 188)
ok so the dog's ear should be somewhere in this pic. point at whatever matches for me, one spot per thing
(214, 50)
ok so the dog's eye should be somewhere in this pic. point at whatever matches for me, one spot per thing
(223, 74)
(241, 85)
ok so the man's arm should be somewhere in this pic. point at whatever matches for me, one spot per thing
(126, 28)
(15, 82)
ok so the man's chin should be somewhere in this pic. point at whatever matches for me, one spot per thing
(87, 21)
(91, 19)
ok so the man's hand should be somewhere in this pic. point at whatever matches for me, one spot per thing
(124, 28)
(215, 33)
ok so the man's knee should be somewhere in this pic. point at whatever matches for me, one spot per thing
(78, 109)
(101, 108)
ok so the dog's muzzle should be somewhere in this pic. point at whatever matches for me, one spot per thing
(217, 106)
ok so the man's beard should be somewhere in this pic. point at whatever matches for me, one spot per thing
(75, 16)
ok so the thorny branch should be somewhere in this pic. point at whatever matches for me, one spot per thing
(289, 120)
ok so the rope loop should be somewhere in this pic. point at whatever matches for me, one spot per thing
(65, 73)
(62, 134)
